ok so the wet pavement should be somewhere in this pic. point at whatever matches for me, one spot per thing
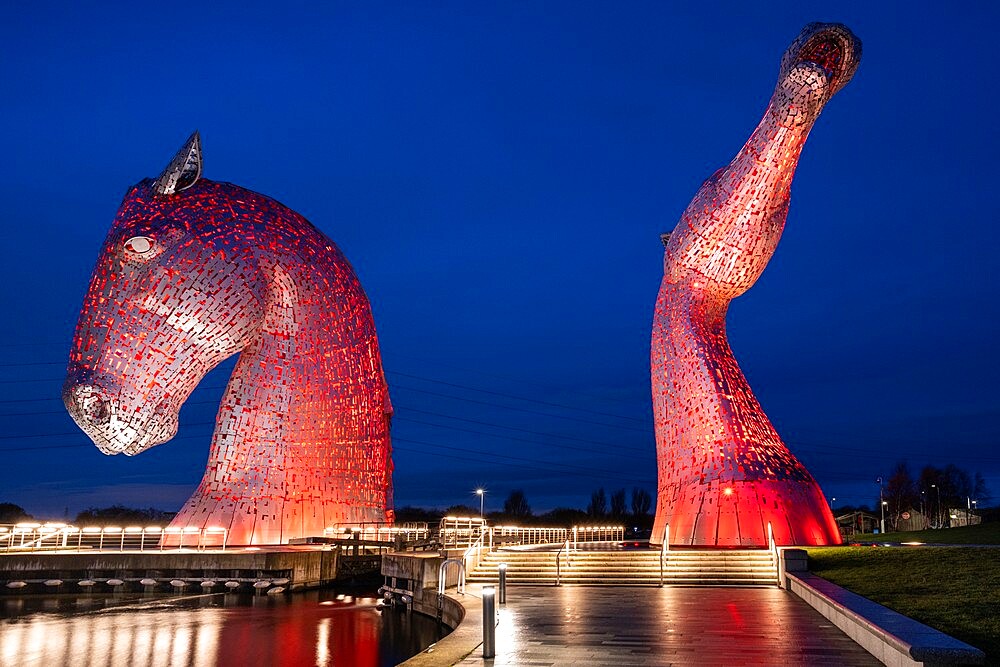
(581, 625)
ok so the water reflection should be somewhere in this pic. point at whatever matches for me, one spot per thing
(315, 628)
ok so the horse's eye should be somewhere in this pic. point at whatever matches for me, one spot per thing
(139, 244)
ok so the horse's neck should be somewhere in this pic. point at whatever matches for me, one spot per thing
(699, 389)
(270, 385)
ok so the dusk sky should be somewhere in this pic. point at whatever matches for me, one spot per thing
(499, 174)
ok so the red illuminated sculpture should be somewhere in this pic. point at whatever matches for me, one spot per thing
(724, 473)
(194, 271)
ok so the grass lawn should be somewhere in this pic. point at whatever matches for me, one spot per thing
(953, 589)
(984, 533)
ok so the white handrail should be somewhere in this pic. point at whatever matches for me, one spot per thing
(559, 563)
(441, 576)
(664, 548)
(53, 536)
(775, 558)
(476, 547)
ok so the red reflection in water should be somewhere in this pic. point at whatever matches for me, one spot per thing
(206, 631)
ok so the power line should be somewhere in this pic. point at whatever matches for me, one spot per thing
(406, 409)
(519, 398)
(516, 439)
(585, 472)
(517, 409)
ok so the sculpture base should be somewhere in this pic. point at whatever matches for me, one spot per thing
(736, 513)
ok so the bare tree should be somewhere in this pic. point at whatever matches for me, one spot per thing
(516, 506)
(641, 502)
(618, 507)
(598, 506)
(900, 493)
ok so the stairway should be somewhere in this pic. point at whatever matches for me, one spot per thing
(684, 567)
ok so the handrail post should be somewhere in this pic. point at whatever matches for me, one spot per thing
(773, 547)
(664, 548)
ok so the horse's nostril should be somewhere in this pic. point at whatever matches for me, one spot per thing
(90, 405)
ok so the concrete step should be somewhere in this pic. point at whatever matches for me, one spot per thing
(644, 581)
(632, 568)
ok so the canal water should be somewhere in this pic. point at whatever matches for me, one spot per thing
(327, 628)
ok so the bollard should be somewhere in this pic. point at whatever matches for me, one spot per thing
(489, 623)
(502, 593)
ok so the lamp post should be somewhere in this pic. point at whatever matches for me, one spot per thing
(482, 498)
(937, 515)
(833, 504)
(882, 503)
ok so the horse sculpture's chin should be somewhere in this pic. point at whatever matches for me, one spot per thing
(132, 436)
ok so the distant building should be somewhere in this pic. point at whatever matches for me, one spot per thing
(960, 516)
(911, 519)
(857, 523)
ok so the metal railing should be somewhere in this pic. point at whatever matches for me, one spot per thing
(474, 554)
(775, 556)
(559, 561)
(379, 531)
(59, 536)
(527, 535)
(458, 531)
(598, 534)
(442, 576)
(664, 550)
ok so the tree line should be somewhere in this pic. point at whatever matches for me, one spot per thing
(624, 508)
(933, 493)
(11, 513)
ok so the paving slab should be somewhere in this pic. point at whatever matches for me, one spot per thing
(544, 626)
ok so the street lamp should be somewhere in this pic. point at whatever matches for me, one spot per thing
(937, 514)
(482, 498)
(881, 502)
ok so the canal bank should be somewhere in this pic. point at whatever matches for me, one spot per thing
(290, 567)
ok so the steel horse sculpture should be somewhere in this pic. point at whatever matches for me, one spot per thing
(724, 474)
(194, 271)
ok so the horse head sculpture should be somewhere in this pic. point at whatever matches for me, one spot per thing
(194, 271)
(725, 477)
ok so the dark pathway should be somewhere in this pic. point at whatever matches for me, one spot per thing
(585, 626)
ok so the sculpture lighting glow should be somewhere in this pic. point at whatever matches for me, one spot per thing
(194, 271)
(723, 471)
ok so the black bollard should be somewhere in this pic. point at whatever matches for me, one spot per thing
(502, 593)
(489, 623)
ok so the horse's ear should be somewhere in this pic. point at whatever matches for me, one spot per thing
(184, 170)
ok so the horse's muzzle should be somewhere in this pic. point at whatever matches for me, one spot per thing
(87, 404)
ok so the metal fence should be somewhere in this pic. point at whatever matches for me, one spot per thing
(379, 531)
(457, 532)
(526, 535)
(58, 536)
(452, 532)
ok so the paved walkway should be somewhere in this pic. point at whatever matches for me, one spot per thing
(585, 626)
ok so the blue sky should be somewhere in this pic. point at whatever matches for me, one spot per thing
(498, 174)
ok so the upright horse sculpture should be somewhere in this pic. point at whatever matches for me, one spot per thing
(195, 271)
(724, 473)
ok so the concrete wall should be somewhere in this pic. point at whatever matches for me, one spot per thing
(302, 568)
